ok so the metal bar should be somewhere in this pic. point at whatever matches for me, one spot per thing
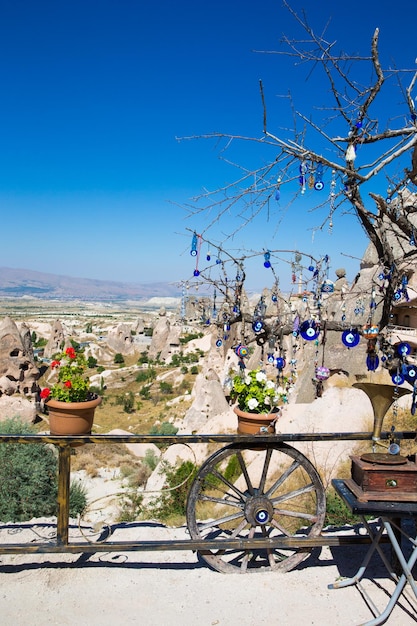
(187, 544)
(174, 439)
(64, 469)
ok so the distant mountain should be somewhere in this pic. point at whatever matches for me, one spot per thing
(16, 283)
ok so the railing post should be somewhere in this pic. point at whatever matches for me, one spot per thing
(64, 469)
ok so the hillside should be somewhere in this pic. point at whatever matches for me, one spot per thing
(15, 283)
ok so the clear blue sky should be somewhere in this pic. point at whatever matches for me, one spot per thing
(94, 94)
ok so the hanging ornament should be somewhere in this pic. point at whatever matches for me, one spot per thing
(327, 286)
(267, 257)
(350, 153)
(257, 325)
(241, 351)
(280, 363)
(278, 191)
(403, 349)
(194, 244)
(318, 184)
(397, 379)
(303, 175)
(219, 343)
(372, 359)
(351, 338)
(411, 374)
(309, 330)
(322, 373)
(270, 358)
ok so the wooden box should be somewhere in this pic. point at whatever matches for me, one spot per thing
(378, 481)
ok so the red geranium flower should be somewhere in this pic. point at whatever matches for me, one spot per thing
(55, 364)
(45, 393)
(68, 384)
(70, 352)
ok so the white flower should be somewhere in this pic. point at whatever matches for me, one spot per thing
(280, 391)
(261, 377)
(267, 400)
(252, 404)
(247, 380)
(270, 384)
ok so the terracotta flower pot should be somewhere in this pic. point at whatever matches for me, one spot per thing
(252, 423)
(71, 418)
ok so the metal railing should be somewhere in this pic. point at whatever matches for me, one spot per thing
(62, 543)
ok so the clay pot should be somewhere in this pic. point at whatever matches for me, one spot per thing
(71, 418)
(254, 423)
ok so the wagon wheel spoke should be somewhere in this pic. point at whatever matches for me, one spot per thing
(245, 473)
(268, 456)
(282, 478)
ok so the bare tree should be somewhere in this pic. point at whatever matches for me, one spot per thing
(354, 136)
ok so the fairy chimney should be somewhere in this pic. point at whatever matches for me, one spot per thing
(18, 371)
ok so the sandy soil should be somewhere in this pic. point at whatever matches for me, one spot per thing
(176, 587)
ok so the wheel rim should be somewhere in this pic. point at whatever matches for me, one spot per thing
(267, 491)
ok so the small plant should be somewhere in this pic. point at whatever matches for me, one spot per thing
(72, 385)
(254, 393)
(118, 359)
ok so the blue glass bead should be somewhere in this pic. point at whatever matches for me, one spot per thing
(208, 257)
(218, 261)
(267, 264)
(196, 273)
(311, 268)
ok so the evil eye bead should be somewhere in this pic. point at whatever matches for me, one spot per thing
(319, 185)
(403, 349)
(242, 351)
(372, 362)
(309, 331)
(270, 358)
(219, 343)
(397, 379)
(350, 338)
(280, 363)
(411, 373)
(257, 326)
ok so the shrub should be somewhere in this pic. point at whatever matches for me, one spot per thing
(173, 501)
(91, 362)
(78, 498)
(118, 358)
(337, 513)
(29, 478)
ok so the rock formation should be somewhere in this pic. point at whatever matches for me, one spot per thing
(56, 341)
(120, 339)
(18, 371)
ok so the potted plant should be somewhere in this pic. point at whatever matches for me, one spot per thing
(257, 401)
(69, 401)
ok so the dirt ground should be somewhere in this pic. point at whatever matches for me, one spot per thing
(176, 587)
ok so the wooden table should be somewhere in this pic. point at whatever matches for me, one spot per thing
(388, 513)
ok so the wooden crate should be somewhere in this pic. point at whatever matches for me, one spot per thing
(377, 481)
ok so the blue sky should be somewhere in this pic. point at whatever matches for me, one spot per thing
(94, 95)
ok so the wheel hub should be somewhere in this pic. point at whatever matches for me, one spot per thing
(258, 510)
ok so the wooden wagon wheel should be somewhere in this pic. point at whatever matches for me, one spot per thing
(269, 490)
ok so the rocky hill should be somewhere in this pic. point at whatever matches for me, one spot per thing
(23, 282)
